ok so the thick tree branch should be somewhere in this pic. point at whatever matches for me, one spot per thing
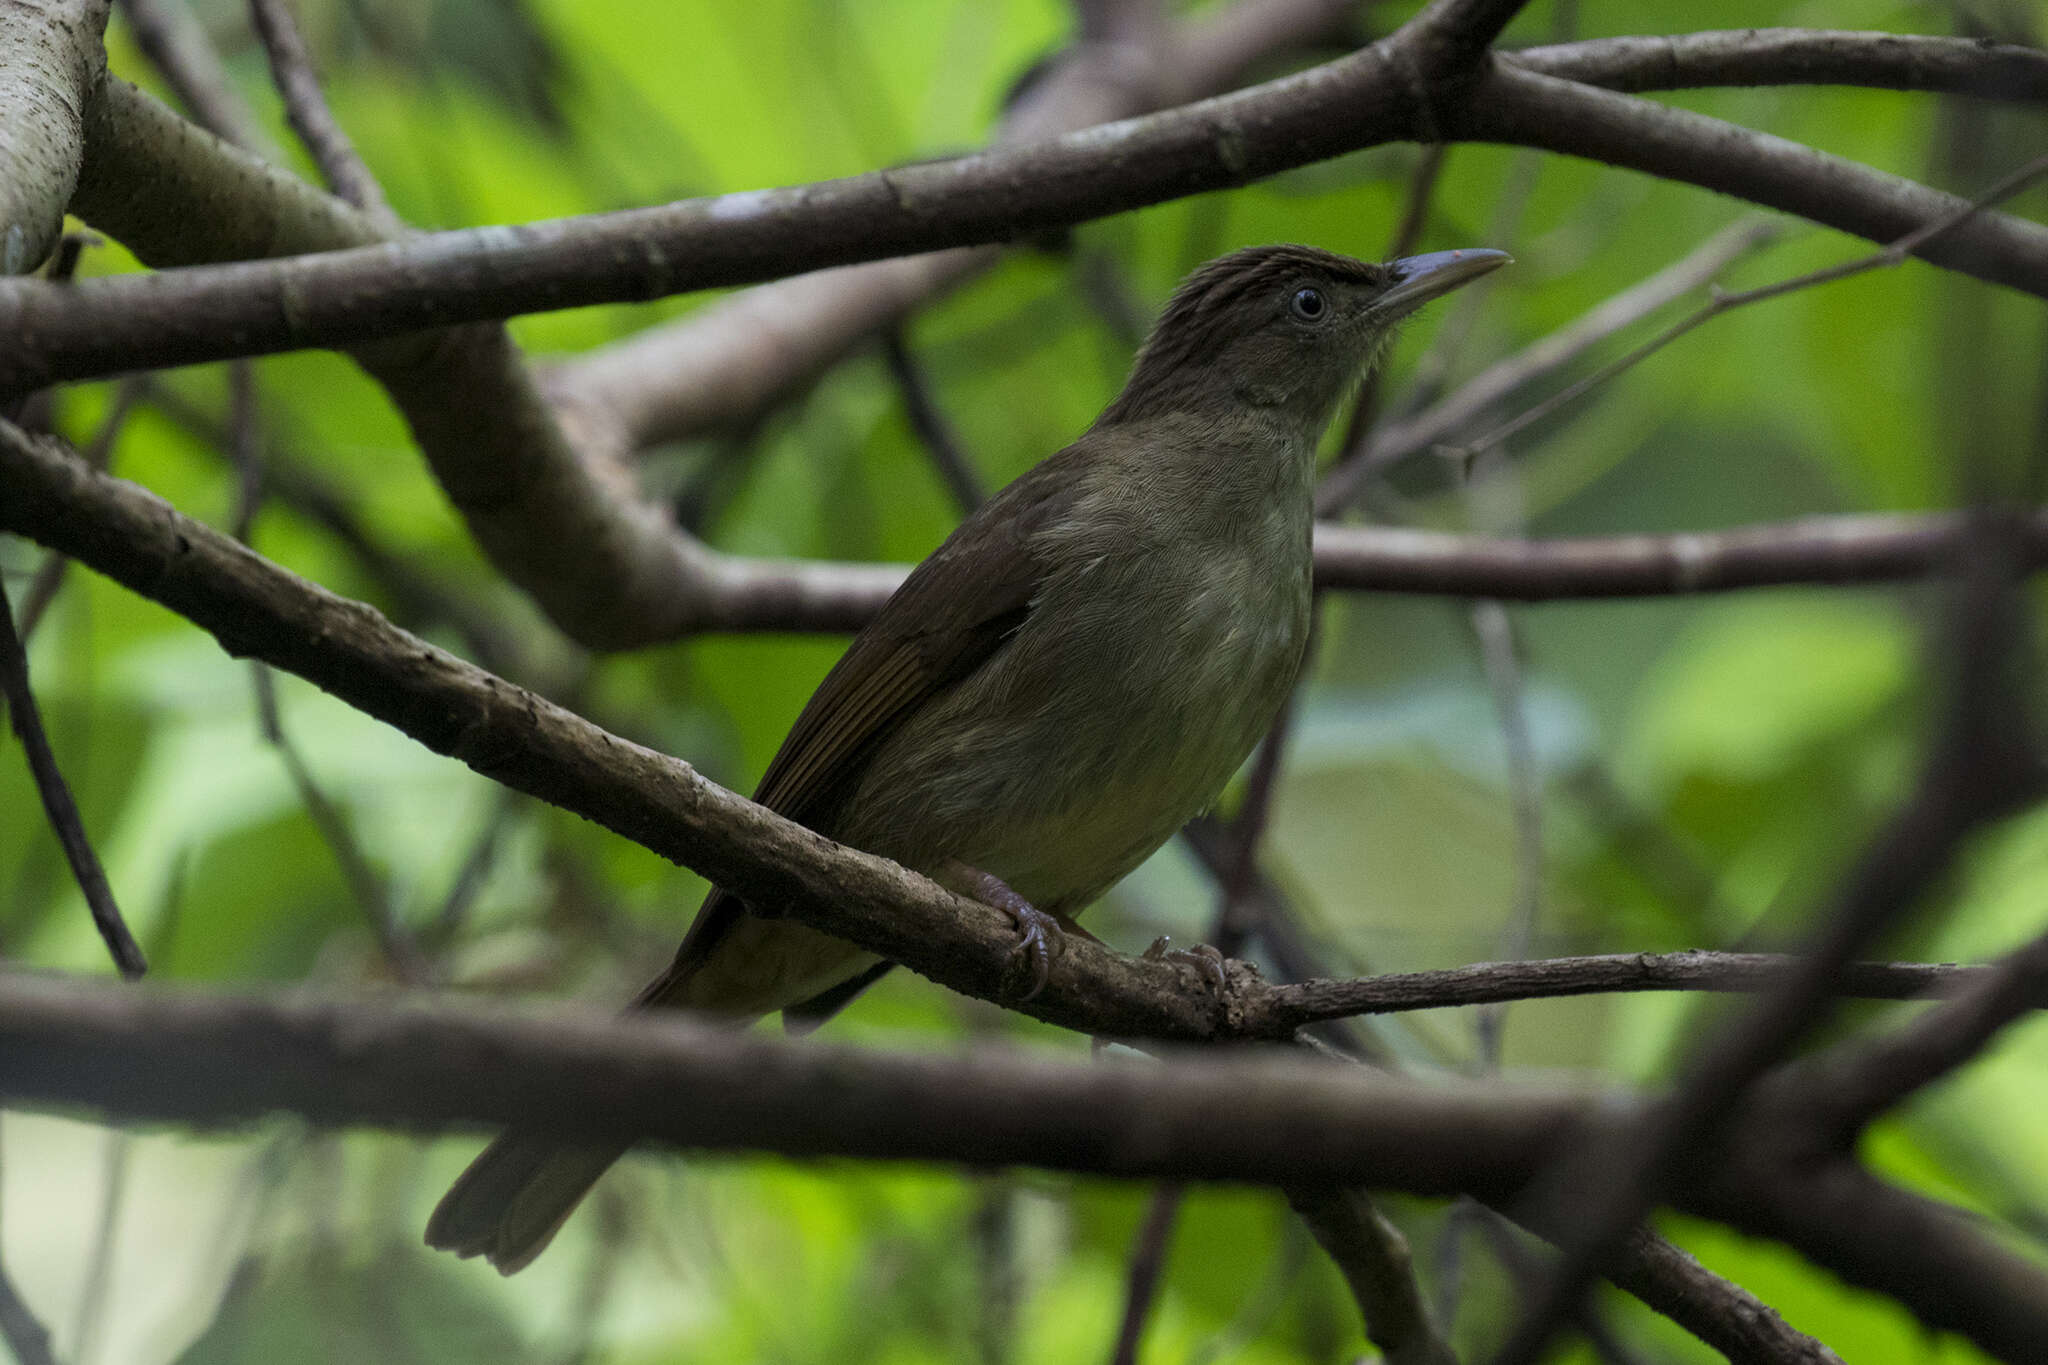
(1274, 1117)
(50, 60)
(605, 566)
(218, 1061)
(351, 296)
(1723, 1314)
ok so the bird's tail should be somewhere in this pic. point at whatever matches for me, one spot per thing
(514, 1198)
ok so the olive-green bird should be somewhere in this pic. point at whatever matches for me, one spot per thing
(1069, 678)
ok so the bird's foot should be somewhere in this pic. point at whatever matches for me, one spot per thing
(1038, 931)
(1202, 957)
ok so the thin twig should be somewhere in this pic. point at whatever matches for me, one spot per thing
(99, 1269)
(1148, 1265)
(1483, 391)
(245, 448)
(291, 67)
(1554, 978)
(941, 440)
(42, 589)
(1980, 767)
(1503, 668)
(1895, 253)
(20, 1328)
(58, 805)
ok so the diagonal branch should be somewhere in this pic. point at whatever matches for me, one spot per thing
(291, 67)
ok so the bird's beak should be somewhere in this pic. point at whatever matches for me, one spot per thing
(1418, 279)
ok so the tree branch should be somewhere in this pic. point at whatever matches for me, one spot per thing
(1519, 107)
(1273, 1118)
(727, 363)
(50, 60)
(1797, 56)
(58, 805)
(177, 45)
(350, 296)
(1474, 398)
(291, 67)
(216, 1062)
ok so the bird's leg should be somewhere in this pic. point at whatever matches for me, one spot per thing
(1038, 931)
(1202, 957)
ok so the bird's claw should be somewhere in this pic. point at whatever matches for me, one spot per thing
(1037, 932)
(1207, 960)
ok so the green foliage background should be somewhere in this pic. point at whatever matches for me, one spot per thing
(1708, 764)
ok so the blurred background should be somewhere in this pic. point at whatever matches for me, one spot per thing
(1695, 767)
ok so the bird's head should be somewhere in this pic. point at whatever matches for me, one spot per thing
(1282, 330)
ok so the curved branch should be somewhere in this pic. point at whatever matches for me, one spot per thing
(1522, 108)
(607, 568)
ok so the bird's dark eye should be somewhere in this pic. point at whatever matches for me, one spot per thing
(1309, 304)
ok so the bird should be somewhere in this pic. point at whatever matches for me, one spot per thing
(1076, 672)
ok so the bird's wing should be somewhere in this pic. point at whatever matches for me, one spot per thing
(950, 615)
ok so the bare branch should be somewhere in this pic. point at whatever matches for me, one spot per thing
(1374, 1259)
(291, 67)
(1797, 56)
(58, 805)
(1474, 398)
(1277, 1118)
(1519, 107)
(1726, 1316)
(1549, 978)
(177, 45)
(1850, 549)
(219, 1061)
(50, 60)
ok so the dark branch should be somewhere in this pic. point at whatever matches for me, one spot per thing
(291, 67)
(219, 1061)
(62, 811)
(1797, 56)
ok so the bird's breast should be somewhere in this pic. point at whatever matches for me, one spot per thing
(1142, 678)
